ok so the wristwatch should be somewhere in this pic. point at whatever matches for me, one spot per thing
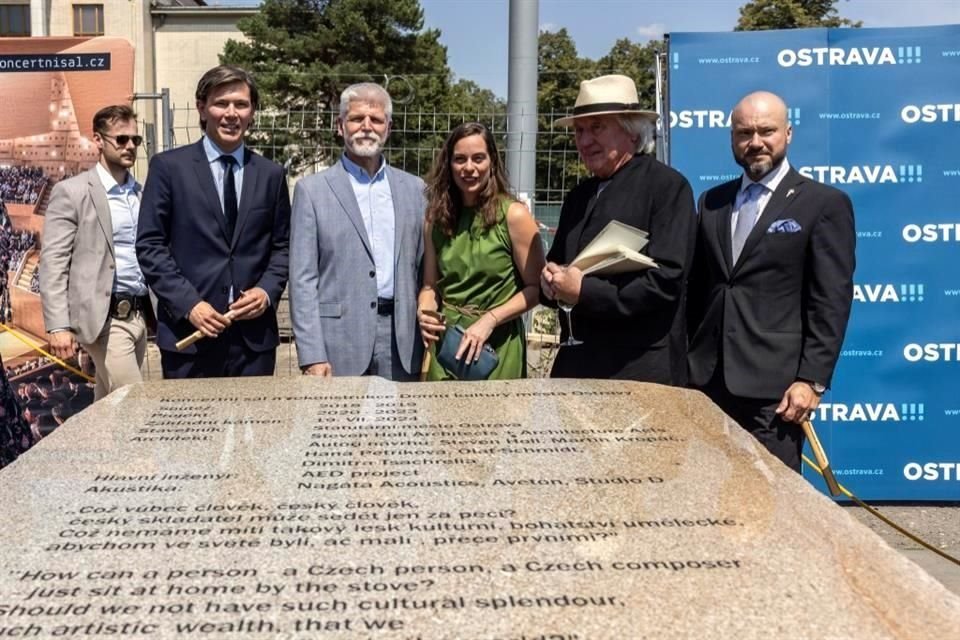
(818, 388)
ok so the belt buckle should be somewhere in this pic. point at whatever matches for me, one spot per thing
(123, 309)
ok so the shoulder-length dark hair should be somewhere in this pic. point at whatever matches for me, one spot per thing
(444, 199)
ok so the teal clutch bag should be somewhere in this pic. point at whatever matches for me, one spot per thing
(463, 370)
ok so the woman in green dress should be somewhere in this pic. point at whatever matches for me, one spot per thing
(482, 256)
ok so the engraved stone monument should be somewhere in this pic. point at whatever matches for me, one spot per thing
(359, 508)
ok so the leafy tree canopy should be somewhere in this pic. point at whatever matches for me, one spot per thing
(759, 15)
(561, 71)
(305, 52)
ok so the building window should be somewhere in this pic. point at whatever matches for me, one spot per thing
(88, 19)
(14, 19)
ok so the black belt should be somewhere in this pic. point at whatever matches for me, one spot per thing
(385, 306)
(122, 305)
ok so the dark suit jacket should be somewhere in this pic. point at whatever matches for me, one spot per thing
(632, 324)
(184, 252)
(780, 313)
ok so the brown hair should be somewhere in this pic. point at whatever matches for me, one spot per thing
(103, 119)
(221, 75)
(444, 199)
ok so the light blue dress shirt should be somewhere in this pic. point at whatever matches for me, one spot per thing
(124, 202)
(376, 207)
(771, 181)
(216, 168)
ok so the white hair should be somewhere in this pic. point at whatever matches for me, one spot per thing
(641, 127)
(369, 92)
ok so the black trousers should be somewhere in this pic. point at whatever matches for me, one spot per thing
(758, 416)
(226, 356)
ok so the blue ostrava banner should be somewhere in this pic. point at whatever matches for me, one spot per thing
(876, 113)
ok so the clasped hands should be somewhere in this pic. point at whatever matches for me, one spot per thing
(561, 283)
(251, 304)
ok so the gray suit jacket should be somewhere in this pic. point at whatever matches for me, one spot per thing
(77, 263)
(333, 284)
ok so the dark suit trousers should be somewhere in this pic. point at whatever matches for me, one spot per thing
(226, 356)
(758, 416)
(613, 362)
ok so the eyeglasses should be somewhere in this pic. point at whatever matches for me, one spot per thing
(123, 139)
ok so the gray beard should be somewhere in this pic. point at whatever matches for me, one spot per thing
(366, 150)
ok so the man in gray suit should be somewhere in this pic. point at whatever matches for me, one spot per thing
(356, 244)
(90, 283)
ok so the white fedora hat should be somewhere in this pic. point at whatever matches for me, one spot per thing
(606, 95)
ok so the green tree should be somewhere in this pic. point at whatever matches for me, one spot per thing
(759, 15)
(469, 98)
(636, 61)
(305, 52)
(561, 70)
(420, 131)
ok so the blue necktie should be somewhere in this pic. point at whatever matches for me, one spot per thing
(746, 218)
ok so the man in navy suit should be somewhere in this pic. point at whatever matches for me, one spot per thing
(771, 286)
(213, 239)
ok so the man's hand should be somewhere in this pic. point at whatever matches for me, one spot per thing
(565, 282)
(63, 344)
(251, 304)
(798, 402)
(205, 318)
(546, 280)
(322, 369)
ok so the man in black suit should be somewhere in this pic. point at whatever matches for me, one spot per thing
(213, 238)
(771, 286)
(631, 324)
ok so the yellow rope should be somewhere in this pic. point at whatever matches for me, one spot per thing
(885, 519)
(36, 347)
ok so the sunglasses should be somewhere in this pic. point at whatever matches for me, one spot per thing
(123, 139)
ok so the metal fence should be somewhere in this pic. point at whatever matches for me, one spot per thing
(309, 137)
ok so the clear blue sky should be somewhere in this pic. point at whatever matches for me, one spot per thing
(475, 32)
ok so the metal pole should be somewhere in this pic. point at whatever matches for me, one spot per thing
(665, 119)
(164, 98)
(522, 98)
(663, 122)
(167, 119)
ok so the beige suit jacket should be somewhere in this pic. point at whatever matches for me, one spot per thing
(77, 263)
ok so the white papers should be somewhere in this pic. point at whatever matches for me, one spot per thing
(616, 249)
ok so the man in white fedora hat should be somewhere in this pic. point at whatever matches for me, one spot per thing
(631, 324)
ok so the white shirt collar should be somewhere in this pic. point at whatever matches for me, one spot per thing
(106, 179)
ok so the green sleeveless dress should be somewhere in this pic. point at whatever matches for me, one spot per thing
(477, 274)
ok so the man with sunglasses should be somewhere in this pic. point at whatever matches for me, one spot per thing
(92, 289)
